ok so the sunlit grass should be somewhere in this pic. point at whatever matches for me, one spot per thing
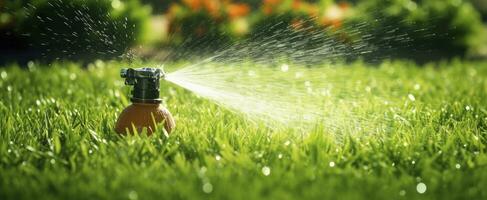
(57, 139)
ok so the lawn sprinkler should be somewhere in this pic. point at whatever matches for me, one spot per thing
(146, 110)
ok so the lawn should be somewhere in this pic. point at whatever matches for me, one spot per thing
(57, 139)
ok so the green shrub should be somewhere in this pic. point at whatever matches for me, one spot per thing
(10, 39)
(421, 29)
(159, 6)
(83, 29)
(481, 6)
(200, 30)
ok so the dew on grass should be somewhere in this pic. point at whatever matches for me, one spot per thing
(3, 75)
(402, 192)
(284, 67)
(132, 195)
(411, 97)
(207, 187)
(218, 157)
(417, 86)
(458, 166)
(266, 171)
(30, 148)
(421, 188)
(368, 89)
(279, 156)
(287, 143)
(72, 76)
(331, 164)
(202, 172)
(298, 75)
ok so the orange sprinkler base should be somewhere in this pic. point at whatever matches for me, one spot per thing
(144, 115)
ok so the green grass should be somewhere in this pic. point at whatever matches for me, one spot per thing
(57, 140)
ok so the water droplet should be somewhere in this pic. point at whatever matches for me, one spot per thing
(3, 75)
(368, 89)
(72, 76)
(133, 195)
(279, 156)
(402, 192)
(287, 143)
(411, 97)
(421, 188)
(458, 166)
(266, 171)
(207, 188)
(332, 164)
(218, 157)
(284, 67)
(202, 171)
(417, 86)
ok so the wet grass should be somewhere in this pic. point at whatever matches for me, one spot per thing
(57, 140)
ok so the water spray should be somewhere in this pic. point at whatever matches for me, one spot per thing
(146, 111)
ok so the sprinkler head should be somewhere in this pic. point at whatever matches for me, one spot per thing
(145, 82)
(146, 110)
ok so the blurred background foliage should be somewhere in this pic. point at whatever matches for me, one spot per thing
(90, 29)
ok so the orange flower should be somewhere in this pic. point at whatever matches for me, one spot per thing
(194, 4)
(313, 11)
(267, 10)
(269, 5)
(296, 4)
(344, 5)
(334, 15)
(238, 10)
(212, 6)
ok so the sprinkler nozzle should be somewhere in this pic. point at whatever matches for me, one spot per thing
(146, 110)
(145, 82)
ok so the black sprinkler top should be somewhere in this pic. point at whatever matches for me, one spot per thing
(145, 82)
